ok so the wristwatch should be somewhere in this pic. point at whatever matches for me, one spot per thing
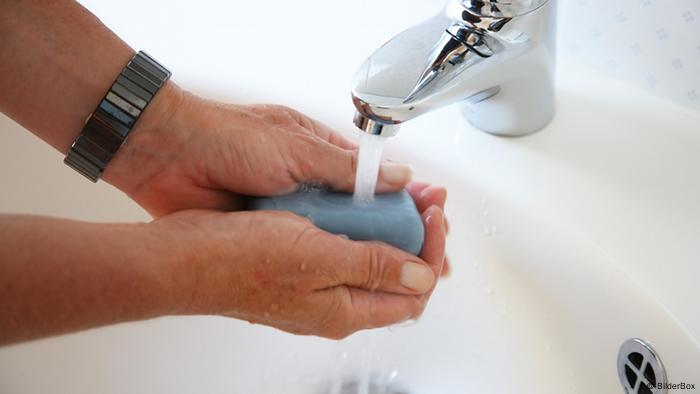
(109, 126)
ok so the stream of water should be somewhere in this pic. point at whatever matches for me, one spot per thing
(370, 156)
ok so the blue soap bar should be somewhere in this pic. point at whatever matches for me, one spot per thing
(391, 218)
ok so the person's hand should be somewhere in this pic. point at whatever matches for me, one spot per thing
(278, 269)
(190, 153)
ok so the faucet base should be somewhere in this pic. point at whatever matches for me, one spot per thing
(521, 105)
(500, 112)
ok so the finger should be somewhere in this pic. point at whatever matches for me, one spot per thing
(446, 268)
(433, 252)
(415, 188)
(189, 199)
(375, 266)
(373, 310)
(325, 132)
(319, 161)
(329, 135)
(431, 195)
(393, 176)
(336, 168)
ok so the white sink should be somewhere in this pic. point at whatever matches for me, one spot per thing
(564, 244)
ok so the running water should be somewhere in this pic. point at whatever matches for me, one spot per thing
(366, 371)
(370, 156)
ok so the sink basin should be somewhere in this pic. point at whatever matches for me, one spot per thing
(564, 244)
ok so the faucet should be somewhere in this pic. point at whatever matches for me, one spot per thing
(494, 57)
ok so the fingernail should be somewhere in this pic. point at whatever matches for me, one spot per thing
(417, 277)
(396, 173)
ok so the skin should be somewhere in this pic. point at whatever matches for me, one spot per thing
(188, 162)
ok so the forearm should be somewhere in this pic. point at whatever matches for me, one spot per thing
(57, 60)
(58, 276)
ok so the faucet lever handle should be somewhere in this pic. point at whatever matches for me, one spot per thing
(473, 39)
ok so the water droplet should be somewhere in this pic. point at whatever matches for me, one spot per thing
(302, 267)
(487, 231)
(405, 323)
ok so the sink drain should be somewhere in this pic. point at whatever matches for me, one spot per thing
(640, 369)
(354, 387)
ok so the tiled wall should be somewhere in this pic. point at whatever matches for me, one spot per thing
(654, 43)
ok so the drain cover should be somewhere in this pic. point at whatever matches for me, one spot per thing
(640, 369)
(353, 387)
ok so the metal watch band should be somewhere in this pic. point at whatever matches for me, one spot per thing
(108, 127)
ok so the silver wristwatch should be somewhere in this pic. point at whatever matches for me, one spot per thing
(108, 127)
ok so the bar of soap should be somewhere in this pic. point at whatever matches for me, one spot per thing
(391, 218)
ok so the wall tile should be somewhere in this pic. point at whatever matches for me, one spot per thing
(653, 43)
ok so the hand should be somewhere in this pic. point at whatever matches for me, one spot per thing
(187, 152)
(311, 282)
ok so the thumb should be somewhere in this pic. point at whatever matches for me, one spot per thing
(336, 168)
(376, 266)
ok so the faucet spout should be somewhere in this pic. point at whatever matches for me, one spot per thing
(497, 62)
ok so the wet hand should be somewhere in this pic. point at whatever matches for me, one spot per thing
(191, 153)
(278, 269)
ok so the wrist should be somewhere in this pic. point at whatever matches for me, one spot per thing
(184, 256)
(150, 142)
(167, 267)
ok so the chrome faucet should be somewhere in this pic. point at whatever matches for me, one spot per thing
(495, 57)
